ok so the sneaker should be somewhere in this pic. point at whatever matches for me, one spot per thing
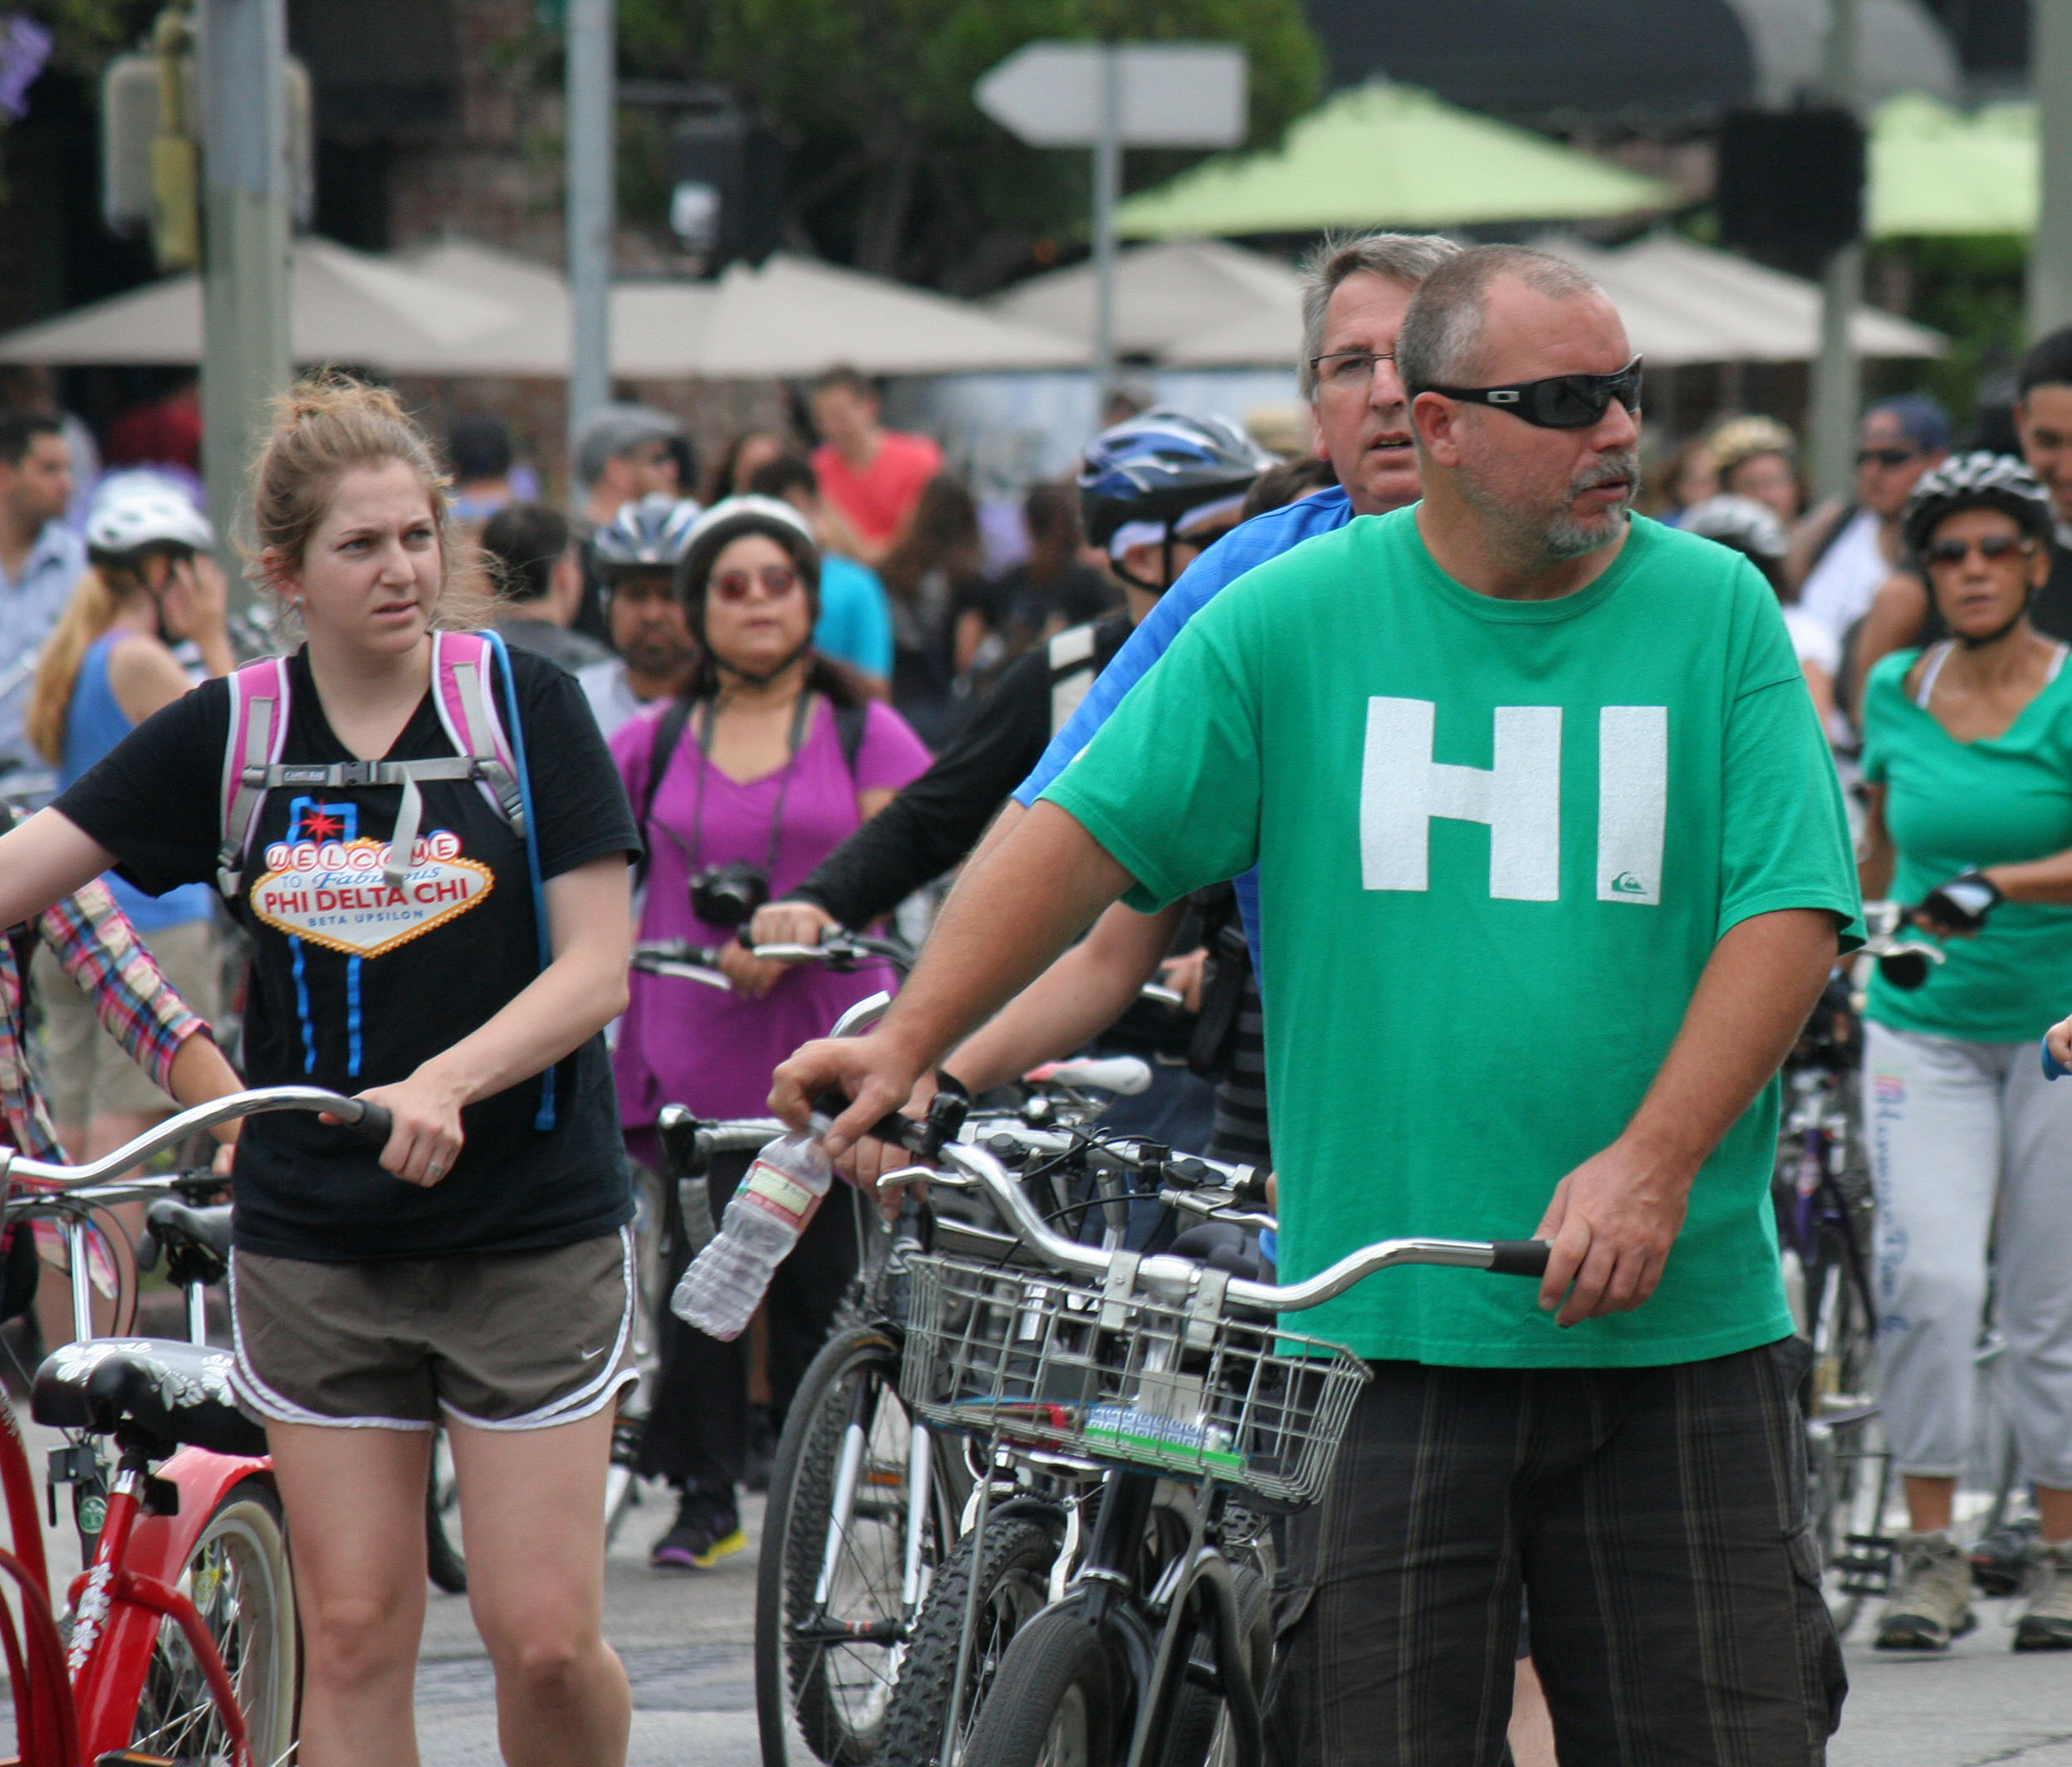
(1932, 1603)
(707, 1529)
(2046, 1623)
(1999, 1560)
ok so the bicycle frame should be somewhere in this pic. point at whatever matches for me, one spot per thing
(72, 1709)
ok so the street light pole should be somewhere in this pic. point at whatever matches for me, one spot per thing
(245, 353)
(1837, 376)
(590, 92)
(1107, 192)
(2050, 251)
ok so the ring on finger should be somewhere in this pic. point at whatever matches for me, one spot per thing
(435, 1170)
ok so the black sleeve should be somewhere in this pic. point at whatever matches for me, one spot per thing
(578, 800)
(936, 820)
(151, 799)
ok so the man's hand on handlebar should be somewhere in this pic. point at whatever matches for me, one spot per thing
(789, 923)
(752, 975)
(1612, 1221)
(1184, 975)
(874, 1072)
(863, 1164)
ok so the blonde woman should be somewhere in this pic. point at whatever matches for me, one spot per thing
(476, 1271)
(108, 666)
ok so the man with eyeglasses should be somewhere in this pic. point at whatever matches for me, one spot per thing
(1846, 551)
(1553, 865)
(624, 453)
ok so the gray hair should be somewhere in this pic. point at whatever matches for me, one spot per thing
(1407, 259)
(618, 429)
(1442, 331)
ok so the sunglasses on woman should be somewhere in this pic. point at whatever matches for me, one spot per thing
(1560, 401)
(1991, 547)
(777, 580)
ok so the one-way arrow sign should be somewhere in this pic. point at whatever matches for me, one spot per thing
(1167, 95)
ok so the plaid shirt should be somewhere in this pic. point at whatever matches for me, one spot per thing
(100, 951)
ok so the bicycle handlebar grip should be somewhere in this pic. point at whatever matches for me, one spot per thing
(2053, 1068)
(370, 1129)
(1520, 1257)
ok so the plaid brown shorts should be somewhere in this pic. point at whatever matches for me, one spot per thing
(514, 1340)
(1658, 1517)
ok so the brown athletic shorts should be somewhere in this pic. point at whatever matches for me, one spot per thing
(517, 1340)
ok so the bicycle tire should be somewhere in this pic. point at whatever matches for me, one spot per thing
(1054, 1700)
(837, 1689)
(443, 1561)
(239, 1578)
(1014, 1576)
(1850, 1470)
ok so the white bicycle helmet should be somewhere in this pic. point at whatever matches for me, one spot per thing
(1978, 479)
(1740, 523)
(139, 512)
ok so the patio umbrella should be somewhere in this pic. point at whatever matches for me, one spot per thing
(1167, 296)
(1383, 155)
(344, 307)
(1936, 170)
(1684, 302)
(797, 316)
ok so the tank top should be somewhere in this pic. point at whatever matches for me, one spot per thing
(93, 723)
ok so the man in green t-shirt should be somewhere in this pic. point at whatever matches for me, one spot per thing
(1553, 865)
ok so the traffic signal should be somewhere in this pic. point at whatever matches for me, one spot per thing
(1790, 183)
(727, 174)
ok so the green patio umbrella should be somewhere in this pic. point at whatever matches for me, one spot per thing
(1385, 155)
(1937, 170)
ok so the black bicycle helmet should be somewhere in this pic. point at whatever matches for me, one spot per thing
(1976, 480)
(651, 533)
(1166, 470)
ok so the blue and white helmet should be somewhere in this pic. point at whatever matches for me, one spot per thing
(651, 533)
(1163, 473)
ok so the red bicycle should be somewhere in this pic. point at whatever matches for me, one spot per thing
(179, 1640)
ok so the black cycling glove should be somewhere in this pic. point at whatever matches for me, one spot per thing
(1962, 902)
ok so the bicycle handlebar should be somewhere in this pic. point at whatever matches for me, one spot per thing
(841, 951)
(1171, 1278)
(369, 1123)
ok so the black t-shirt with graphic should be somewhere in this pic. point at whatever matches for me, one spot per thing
(354, 985)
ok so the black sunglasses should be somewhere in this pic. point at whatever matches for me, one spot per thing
(1560, 401)
(1990, 547)
(1886, 457)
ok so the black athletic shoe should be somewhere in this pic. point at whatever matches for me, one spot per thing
(707, 1528)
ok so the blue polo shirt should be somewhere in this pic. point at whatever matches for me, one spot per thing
(1263, 537)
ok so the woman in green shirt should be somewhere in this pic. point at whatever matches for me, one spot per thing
(1967, 754)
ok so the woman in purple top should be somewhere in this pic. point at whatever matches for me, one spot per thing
(782, 756)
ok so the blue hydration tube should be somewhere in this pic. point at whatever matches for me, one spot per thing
(544, 1118)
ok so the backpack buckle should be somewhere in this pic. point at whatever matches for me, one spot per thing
(359, 773)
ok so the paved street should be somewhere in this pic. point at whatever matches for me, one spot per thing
(685, 1641)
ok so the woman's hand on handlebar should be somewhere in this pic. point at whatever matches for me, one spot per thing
(789, 923)
(752, 975)
(425, 1138)
(873, 1071)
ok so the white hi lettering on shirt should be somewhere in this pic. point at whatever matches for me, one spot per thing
(1519, 797)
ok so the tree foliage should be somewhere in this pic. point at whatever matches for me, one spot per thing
(892, 167)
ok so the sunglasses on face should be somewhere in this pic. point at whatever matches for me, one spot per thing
(1886, 457)
(777, 580)
(1560, 401)
(1991, 547)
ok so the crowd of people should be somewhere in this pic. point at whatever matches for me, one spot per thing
(1498, 838)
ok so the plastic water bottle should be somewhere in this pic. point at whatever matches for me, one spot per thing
(725, 1284)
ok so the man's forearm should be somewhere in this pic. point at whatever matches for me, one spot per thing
(1008, 919)
(1750, 1005)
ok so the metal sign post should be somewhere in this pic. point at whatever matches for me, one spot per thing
(591, 78)
(1108, 97)
(2049, 300)
(246, 190)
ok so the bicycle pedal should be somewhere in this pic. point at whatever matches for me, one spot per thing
(1866, 1567)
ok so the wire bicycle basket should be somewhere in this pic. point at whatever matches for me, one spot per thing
(1117, 1377)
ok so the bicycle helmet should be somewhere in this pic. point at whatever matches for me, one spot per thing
(1740, 523)
(1972, 480)
(139, 512)
(1158, 475)
(651, 533)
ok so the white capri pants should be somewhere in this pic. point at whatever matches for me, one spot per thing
(1957, 1131)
